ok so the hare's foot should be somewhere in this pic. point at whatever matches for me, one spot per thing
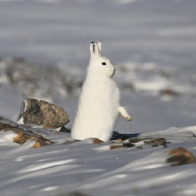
(124, 113)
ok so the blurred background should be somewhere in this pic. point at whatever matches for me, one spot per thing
(44, 52)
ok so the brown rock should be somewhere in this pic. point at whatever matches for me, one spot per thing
(40, 112)
(180, 156)
(23, 133)
(112, 147)
(169, 92)
(97, 141)
(121, 145)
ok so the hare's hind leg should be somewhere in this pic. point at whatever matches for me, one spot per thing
(124, 113)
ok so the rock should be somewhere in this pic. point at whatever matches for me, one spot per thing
(168, 92)
(113, 147)
(72, 194)
(97, 141)
(131, 140)
(149, 141)
(156, 142)
(180, 156)
(23, 133)
(42, 113)
(137, 142)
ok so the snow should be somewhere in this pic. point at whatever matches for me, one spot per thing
(84, 167)
(152, 44)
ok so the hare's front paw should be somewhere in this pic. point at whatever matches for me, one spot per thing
(128, 118)
(124, 113)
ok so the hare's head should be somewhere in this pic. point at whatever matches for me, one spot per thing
(99, 64)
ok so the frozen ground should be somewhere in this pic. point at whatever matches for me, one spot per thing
(152, 44)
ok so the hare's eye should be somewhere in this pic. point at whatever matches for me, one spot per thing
(104, 63)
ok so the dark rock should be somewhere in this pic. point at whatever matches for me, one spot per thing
(64, 129)
(73, 194)
(168, 92)
(149, 141)
(156, 142)
(130, 140)
(39, 112)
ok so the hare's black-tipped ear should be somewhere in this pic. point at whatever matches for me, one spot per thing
(94, 49)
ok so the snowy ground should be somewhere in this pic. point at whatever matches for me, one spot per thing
(152, 44)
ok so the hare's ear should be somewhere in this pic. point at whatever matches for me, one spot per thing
(94, 49)
(99, 46)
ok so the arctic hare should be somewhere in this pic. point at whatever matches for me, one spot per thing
(99, 103)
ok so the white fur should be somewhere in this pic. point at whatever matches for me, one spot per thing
(99, 103)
